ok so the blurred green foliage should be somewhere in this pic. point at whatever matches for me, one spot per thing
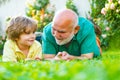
(2, 41)
(39, 10)
(114, 42)
(71, 5)
(3, 2)
(105, 68)
(106, 14)
(96, 6)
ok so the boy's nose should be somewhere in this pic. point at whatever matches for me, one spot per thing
(33, 35)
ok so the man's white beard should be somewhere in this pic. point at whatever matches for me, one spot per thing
(65, 41)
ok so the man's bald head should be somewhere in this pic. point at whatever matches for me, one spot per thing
(66, 16)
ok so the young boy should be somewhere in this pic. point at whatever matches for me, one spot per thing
(21, 43)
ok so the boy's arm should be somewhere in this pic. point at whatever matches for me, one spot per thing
(39, 55)
(37, 52)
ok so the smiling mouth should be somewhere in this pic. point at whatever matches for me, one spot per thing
(31, 40)
(58, 39)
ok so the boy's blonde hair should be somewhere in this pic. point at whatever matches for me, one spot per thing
(19, 25)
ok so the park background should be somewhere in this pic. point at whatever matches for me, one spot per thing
(104, 13)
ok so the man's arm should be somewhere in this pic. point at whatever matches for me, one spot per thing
(48, 56)
(65, 56)
(48, 46)
(83, 56)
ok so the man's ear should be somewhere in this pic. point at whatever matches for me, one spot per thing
(77, 28)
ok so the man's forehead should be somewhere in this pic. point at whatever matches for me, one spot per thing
(58, 28)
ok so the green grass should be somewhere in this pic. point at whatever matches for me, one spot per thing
(105, 68)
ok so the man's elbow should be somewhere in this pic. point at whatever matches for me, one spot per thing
(88, 55)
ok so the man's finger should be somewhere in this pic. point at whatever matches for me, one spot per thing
(64, 53)
(59, 54)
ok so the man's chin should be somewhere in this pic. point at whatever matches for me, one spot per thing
(61, 42)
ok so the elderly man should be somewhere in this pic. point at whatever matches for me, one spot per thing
(69, 37)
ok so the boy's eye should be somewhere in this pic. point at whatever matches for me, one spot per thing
(30, 32)
(27, 32)
(33, 31)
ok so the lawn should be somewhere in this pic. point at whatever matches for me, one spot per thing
(105, 68)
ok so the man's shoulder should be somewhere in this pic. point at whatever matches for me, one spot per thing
(85, 24)
(86, 27)
(83, 20)
(48, 27)
(47, 32)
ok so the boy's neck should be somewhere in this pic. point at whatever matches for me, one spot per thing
(24, 49)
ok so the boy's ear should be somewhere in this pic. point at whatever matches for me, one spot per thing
(77, 28)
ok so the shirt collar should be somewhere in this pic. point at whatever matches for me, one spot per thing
(75, 37)
(16, 48)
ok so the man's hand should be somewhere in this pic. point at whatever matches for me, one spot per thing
(66, 56)
(58, 56)
(63, 56)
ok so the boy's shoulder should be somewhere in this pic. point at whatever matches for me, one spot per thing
(9, 42)
(36, 43)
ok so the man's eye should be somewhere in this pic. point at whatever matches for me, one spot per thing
(61, 32)
(53, 29)
(58, 31)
